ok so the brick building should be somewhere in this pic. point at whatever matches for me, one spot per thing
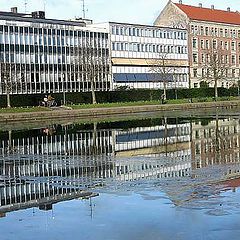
(209, 30)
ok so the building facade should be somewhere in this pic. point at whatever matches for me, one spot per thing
(40, 55)
(148, 56)
(40, 167)
(212, 33)
(216, 143)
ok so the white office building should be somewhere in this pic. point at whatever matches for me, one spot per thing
(147, 56)
(40, 55)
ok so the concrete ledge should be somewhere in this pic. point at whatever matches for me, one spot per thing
(103, 112)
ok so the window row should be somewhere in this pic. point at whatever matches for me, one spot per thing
(46, 58)
(206, 72)
(215, 31)
(215, 44)
(145, 32)
(48, 68)
(216, 59)
(152, 48)
(58, 32)
(76, 51)
(148, 77)
(51, 40)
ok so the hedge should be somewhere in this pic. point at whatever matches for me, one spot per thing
(119, 96)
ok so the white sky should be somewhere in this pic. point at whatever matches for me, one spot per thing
(131, 11)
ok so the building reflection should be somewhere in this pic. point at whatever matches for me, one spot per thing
(215, 142)
(41, 167)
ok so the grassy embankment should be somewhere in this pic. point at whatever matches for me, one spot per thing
(142, 103)
(118, 104)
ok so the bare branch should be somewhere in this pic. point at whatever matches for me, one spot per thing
(215, 66)
(162, 70)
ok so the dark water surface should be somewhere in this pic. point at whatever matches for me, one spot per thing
(158, 178)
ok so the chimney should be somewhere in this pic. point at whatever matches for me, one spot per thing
(228, 9)
(38, 14)
(14, 9)
(180, 1)
(212, 7)
(200, 5)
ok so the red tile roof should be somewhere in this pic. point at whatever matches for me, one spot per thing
(211, 15)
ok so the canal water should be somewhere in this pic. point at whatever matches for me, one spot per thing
(144, 179)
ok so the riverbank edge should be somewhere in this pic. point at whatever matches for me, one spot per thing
(92, 113)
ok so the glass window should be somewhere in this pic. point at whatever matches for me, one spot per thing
(150, 33)
(1, 38)
(146, 33)
(137, 32)
(26, 39)
(207, 44)
(226, 45)
(194, 72)
(134, 32)
(121, 31)
(226, 32)
(154, 33)
(214, 44)
(117, 30)
(130, 31)
(194, 43)
(206, 31)
(154, 48)
(195, 58)
(113, 30)
(138, 47)
(130, 47)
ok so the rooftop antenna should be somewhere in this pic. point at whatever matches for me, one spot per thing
(44, 5)
(83, 9)
(25, 5)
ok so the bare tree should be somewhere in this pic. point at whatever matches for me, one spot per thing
(162, 71)
(89, 68)
(215, 67)
(91, 64)
(11, 80)
(7, 71)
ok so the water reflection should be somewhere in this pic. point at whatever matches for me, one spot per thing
(191, 159)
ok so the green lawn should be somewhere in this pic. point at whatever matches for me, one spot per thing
(119, 104)
(142, 103)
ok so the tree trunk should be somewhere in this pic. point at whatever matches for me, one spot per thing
(165, 90)
(216, 90)
(94, 146)
(94, 101)
(8, 100)
(10, 141)
(166, 136)
(217, 135)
